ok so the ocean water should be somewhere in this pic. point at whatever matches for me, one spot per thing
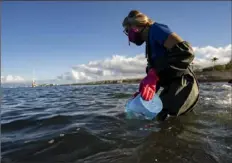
(87, 124)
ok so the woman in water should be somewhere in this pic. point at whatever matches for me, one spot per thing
(168, 64)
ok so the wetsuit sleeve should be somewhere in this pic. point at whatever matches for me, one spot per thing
(160, 33)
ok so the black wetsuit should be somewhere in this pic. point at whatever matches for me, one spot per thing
(180, 87)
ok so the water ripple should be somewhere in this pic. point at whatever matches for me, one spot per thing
(78, 124)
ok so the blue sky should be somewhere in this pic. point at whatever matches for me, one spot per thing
(51, 37)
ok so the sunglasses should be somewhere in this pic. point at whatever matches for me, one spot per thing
(125, 31)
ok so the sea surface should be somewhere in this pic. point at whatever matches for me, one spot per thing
(87, 124)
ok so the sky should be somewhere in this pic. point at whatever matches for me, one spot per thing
(83, 41)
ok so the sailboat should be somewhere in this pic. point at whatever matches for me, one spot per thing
(33, 81)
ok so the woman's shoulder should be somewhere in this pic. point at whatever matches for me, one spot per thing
(158, 27)
(160, 31)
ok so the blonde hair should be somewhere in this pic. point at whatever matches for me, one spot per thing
(137, 18)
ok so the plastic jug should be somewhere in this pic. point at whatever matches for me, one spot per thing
(139, 108)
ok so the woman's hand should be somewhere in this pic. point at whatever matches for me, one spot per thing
(148, 85)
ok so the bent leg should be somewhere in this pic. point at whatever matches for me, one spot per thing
(179, 97)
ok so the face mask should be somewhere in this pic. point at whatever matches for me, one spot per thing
(135, 36)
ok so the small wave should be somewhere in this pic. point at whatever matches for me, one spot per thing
(226, 99)
(121, 95)
(77, 144)
(66, 125)
(32, 121)
(227, 86)
(112, 156)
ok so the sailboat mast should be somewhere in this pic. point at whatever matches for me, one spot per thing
(33, 79)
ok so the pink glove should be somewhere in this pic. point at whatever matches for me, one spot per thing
(148, 85)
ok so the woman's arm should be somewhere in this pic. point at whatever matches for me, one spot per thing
(172, 40)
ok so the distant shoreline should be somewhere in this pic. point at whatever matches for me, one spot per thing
(133, 82)
(202, 77)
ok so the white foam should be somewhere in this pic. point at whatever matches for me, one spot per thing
(227, 100)
(208, 99)
(51, 141)
(227, 86)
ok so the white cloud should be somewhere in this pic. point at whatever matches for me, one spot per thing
(123, 67)
(11, 79)
(119, 67)
(205, 54)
